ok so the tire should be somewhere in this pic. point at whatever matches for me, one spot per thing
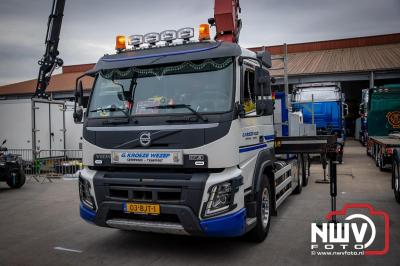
(376, 155)
(263, 213)
(16, 179)
(306, 173)
(396, 179)
(380, 162)
(299, 174)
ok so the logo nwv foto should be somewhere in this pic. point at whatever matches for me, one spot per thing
(337, 235)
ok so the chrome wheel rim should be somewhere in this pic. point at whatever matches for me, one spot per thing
(265, 207)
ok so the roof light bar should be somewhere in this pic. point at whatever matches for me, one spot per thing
(168, 35)
(186, 33)
(152, 38)
(135, 40)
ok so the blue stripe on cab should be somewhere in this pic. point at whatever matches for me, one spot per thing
(269, 137)
(252, 148)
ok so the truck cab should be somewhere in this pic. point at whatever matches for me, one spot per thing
(179, 138)
(322, 104)
(383, 123)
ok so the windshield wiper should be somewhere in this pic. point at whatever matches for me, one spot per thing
(111, 109)
(180, 106)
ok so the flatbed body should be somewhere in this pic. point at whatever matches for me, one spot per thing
(386, 140)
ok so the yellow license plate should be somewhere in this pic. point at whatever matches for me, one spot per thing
(153, 209)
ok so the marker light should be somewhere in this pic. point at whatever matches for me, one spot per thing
(186, 33)
(152, 38)
(168, 35)
(204, 32)
(120, 42)
(135, 40)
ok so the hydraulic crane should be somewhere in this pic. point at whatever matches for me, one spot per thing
(50, 59)
(226, 20)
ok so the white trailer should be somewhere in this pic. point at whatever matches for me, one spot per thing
(33, 125)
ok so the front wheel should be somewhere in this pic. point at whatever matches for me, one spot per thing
(396, 179)
(16, 178)
(263, 213)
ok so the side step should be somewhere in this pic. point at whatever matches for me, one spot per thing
(283, 183)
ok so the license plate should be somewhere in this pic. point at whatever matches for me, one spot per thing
(140, 208)
(147, 157)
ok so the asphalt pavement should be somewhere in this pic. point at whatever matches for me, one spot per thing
(40, 225)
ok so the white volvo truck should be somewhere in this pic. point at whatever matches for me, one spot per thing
(180, 139)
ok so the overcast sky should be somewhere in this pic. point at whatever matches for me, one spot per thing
(89, 26)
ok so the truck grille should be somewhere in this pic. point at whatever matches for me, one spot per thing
(145, 194)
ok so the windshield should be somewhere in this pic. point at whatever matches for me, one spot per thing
(204, 86)
(323, 94)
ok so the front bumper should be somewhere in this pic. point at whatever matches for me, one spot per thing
(180, 197)
(230, 225)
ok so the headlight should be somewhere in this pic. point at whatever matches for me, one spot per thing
(85, 195)
(222, 197)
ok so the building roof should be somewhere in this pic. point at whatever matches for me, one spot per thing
(356, 59)
(333, 44)
(64, 82)
(372, 53)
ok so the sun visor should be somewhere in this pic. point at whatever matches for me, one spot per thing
(168, 54)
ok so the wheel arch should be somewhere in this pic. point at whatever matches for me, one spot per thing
(264, 165)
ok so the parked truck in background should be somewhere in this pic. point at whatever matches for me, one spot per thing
(363, 111)
(383, 123)
(396, 174)
(322, 104)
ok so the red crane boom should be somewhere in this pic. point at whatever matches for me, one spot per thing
(226, 20)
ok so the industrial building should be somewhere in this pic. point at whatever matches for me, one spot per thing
(357, 63)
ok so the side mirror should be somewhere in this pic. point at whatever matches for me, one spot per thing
(4, 142)
(78, 110)
(361, 109)
(78, 115)
(262, 82)
(240, 110)
(79, 93)
(346, 109)
(264, 107)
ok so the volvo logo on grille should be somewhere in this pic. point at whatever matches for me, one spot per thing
(145, 139)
